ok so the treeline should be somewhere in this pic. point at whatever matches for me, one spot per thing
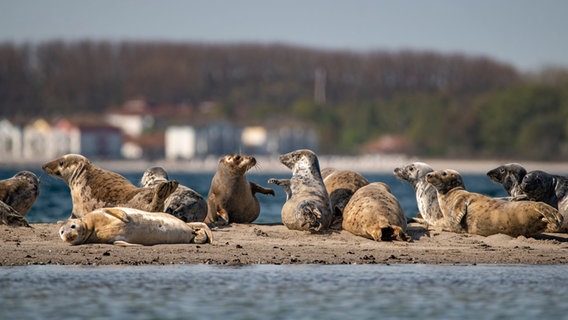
(443, 105)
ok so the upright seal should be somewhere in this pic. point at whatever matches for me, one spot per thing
(127, 226)
(426, 195)
(474, 213)
(231, 197)
(184, 203)
(374, 212)
(92, 187)
(307, 207)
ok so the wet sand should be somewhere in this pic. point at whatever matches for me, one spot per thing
(241, 244)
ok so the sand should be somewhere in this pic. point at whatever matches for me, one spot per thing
(241, 244)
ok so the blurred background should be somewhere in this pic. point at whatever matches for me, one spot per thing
(192, 79)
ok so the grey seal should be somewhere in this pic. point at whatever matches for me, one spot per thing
(184, 203)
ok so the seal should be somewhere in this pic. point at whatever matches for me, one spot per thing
(426, 194)
(308, 206)
(509, 175)
(340, 186)
(127, 226)
(552, 189)
(20, 191)
(92, 187)
(10, 217)
(184, 203)
(374, 212)
(475, 213)
(231, 197)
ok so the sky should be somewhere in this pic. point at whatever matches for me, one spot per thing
(528, 34)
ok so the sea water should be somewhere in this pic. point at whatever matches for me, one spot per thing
(285, 292)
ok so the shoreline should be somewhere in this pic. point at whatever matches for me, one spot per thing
(247, 244)
(271, 164)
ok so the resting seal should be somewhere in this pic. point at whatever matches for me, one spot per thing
(231, 197)
(92, 187)
(11, 217)
(127, 226)
(340, 186)
(479, 214)
(426, 195)
(307, 207)
(20, 192)
(510, 176)
(374, 212)
(184, 203)
(548, 188)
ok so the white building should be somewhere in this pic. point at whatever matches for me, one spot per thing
(10, 141)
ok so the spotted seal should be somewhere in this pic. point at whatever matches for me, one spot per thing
(509, 175)
(20, 191)
(474, 213)
(231, 197)
(426, 195)
(92, 187)
(340, 186)
(184, 203)
(552, 189)
(127, 226)
(307, 207)
(374, 212)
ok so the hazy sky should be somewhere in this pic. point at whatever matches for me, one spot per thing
(527, 34)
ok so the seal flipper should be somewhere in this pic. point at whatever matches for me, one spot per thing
(311, 215)
(117, 213)
(202, 232)
(260, 189)
(121, 243)
(285, 184)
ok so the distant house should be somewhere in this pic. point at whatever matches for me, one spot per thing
(133, 118)
(288, 138)
(186, 142)
(10, 141)
(101, 141)
(38, 141)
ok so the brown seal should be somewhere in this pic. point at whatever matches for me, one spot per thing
(184, 203)
(231, 197)
(340, 186)
(474, 213)
(11, 217)
(127, 226)
(307, 207)
(92, 187)
(20, 191)
(374, 213)
(426, 195)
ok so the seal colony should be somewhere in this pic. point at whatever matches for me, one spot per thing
(107, 208)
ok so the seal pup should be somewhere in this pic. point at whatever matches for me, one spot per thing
(20, 191)
(374, 212)
(552, 189)
(231, 197)
(127, 226)
(308, 207)
(184, 203)
(426, 194)
(92, 187)
(340, 186)
(474, 213)
(509, 175)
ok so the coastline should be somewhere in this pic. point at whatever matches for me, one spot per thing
(245, 244)
(271, 164)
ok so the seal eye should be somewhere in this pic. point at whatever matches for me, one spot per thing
(61, 163)
(73, 226)
(444, 174)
